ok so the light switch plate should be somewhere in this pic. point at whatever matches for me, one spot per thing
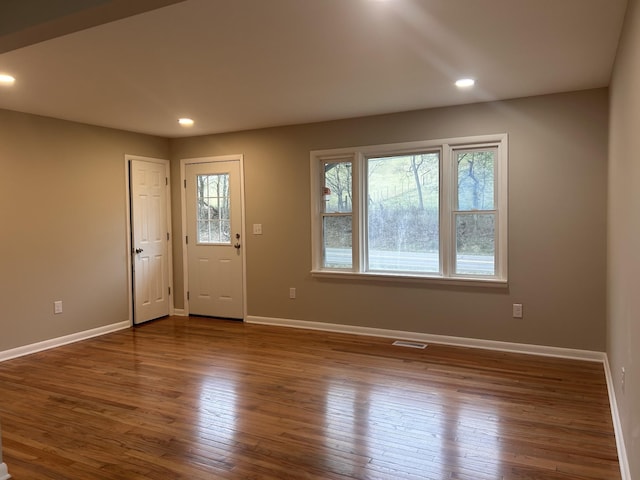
(517, 310)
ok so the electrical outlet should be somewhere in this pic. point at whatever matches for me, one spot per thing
(517, 310)
(622, 379)
(292, 292)
(257, 229)
(57, 307)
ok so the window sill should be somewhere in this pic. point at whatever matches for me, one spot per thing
(408, 278)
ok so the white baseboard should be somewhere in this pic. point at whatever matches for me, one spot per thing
(625, 471)
(570, 353)
(58, 342)
(179, 312)
(4, 473)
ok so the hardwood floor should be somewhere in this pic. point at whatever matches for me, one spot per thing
(194, 398)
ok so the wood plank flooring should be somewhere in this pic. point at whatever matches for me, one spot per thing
(194, 398)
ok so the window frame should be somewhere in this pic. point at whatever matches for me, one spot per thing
(354, 202)
(365, 210)
(447, 205)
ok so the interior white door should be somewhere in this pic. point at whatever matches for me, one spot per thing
(214, 227)
(150, 239)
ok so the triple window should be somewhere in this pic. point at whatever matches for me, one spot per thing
(420, 210)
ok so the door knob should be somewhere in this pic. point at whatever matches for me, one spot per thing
(139, 250)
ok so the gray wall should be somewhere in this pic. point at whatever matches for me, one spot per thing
(623, 312)
(63, 218)
(557, 229)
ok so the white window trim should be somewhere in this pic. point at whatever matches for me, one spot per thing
(447, 255)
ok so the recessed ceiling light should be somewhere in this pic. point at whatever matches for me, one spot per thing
(465, 83)
(186, 122)
(6, 79)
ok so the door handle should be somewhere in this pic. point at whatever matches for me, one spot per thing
(139, 250)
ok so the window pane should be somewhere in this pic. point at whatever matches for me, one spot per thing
(403, 213)
(475, 244)
(213, 208)
(476, 171)
(337, 242)
(337, 187)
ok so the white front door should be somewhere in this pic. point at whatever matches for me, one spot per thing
(150, 239)
(214, 239)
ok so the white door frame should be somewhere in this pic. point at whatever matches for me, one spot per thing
(129, 256)
(183, 199)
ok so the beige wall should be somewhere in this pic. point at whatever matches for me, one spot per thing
(63, 225)
(623, 344)
(557, 230)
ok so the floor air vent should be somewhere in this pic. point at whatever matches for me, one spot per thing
(402, 343)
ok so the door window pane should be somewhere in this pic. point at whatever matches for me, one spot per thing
(212, 195)
(475, 244)
(403, 197)
(476, 172)
(337, 237)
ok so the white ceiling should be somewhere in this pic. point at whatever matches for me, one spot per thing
(241, 64)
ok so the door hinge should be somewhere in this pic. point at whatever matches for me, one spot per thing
(188, 296)
(169, 288)
(185, 183)
(166, 181)
(186, 239)
(167, 236)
